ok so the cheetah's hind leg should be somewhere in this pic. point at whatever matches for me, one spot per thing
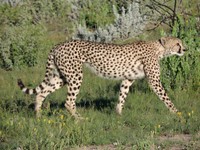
(54, 84)
(124, 89)
(43, 90)
(73, 87)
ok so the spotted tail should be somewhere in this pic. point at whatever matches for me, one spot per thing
(49, 73)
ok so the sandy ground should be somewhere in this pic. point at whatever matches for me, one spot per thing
(174, 142)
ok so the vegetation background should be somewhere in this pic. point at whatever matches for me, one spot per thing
(30, 28)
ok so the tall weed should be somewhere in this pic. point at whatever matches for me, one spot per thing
(179, 72)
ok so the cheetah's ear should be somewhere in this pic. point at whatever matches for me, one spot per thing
(163, 40)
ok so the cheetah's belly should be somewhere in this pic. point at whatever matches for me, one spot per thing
(117, 72)
(134, 72)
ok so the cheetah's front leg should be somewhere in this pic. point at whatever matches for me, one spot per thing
(153, 75)
(159, 90)
(124, 89)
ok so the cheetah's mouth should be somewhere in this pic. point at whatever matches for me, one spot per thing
(181, 52)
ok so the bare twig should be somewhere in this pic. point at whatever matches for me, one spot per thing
(159, 23)
(169, 13)
(174, 13)
(162, 5)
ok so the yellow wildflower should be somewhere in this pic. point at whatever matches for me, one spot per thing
(49, 121)
(61, 117)
(35, 130)
(189, 114)
(179, 113)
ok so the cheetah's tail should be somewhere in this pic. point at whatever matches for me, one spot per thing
(27, 90)
(50, 66)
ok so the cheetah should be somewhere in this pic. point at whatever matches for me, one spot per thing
(122, 62)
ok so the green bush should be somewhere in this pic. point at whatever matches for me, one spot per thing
(24, 39)
(14, 16)
(180, 71)
(95, 13)
(20, 46)
(49, 11)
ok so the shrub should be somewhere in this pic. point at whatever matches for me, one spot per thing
(179, 71)
(128, 23)
(95, 13)
(24, 29)
(20, 46)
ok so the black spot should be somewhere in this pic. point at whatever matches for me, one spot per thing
(27, 91)
(41, 87)
(34, 91)
(20, 83)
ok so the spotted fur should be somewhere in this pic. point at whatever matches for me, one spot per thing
(122, 62)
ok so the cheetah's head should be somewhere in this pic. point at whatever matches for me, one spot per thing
(173, 46)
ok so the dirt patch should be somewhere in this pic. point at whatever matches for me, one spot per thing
(178, 142)
(101, 147)
(167, 142)
(175, 138)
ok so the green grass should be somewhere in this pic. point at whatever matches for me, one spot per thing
(144, 120)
